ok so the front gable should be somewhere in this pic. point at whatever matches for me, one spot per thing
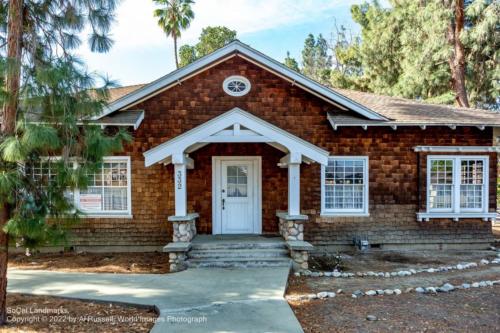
(240, 50)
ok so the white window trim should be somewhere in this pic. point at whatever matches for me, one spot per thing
(236, 78)
(111, 214)
(347, 212)
(456, 212)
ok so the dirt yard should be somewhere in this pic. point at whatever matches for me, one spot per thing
(40, 314)
(383, 261)
(471, 310)
(459, 311)
(148, 262)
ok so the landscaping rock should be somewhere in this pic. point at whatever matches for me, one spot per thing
(420, 290)
(322, 295)
(447, 287)
(358, 293)
(371, 318)
(465, 285)
(430, 290)
(380, 292)
(397, 291)
(388, 291)
(371, 293)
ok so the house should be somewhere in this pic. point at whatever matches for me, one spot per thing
(237, 143)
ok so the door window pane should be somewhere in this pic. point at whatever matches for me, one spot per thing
(237, 177)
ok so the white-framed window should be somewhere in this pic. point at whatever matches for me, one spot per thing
(457, 184)
(236, 85)
(109, 191)
(344, 186)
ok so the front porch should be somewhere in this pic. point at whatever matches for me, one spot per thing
(238, 175)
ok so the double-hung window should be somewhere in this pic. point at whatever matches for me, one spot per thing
(109, 189)
(344, 186)
(457, 184)
(108, 192)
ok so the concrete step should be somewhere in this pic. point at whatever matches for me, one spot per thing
(238, 253)
(238, 245)
(239, 262)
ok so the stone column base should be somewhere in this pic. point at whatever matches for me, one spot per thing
(184, 227)
(299, 252)
(177, 255)
(291, 227)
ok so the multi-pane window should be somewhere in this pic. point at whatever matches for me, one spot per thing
(237, 181)
(441, 184)
(108, 189)
(345, 185)
(471, 184)
(457, 183)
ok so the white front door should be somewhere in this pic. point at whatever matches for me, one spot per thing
(237, 195)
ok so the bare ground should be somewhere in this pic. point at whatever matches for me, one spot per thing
(74, 316)
(144, 262)
(383, 261)
(460, 311)
(472, 310)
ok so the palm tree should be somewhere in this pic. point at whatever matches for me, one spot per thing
(174, 16)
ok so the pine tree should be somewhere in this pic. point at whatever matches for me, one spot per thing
(42, 80)
(439, 51)
(316, 62)
(291, 62)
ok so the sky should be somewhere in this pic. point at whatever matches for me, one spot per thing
(142, 52)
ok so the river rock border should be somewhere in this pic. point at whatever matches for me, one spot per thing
(445, 288)
(401, 273)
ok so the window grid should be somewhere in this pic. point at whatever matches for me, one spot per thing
(457, 183)
(237, 181)
(441, 184)
(111, 184)
(471, 184)
(344, 185)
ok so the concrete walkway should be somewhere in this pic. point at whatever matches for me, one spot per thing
(196, 300)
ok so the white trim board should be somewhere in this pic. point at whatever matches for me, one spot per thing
(236, 48)
(257, 160)
(457, 149)
(207, 133)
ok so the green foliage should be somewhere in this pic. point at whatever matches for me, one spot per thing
(316, 62)
(211, 39)
(405, 51)
(174, 16)
(56, 97)
(187, 55)
(291, 62)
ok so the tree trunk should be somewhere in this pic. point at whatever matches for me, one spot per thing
(457, 58)
(175, 50)
(9, 112)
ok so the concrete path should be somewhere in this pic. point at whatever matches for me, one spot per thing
(196, 300)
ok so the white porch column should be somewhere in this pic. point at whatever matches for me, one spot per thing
(294, 161)
(181, 164)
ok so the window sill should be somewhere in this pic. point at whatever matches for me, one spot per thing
(344, 214)
(107, 216)
(456, 216)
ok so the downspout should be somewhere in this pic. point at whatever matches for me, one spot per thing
(419, 196)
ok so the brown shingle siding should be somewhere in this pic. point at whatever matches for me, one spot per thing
(393, 168)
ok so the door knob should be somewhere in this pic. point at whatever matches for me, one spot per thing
(223, 202)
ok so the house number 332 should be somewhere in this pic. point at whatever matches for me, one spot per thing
(179, 179)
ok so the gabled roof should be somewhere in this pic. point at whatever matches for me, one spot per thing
(236, 48)
(404, 111)
(255, 130)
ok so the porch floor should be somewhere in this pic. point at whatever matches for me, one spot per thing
(246, 238)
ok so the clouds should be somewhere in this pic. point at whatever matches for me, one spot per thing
(142, 52)
(136, 25)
